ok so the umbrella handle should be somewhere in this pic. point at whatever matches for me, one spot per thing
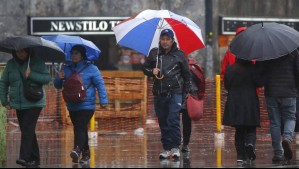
(159, 78)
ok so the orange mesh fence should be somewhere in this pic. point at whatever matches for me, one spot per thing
(130, 103)
(208, 123)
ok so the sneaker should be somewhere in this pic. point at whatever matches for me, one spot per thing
(85, 157)
(32, 164)
(185, 149)
(175, 164)
(250, 152)
(288, 154)
(278, 159)
(165, 154)
(175, 153)
(75, 155)
(164, 163)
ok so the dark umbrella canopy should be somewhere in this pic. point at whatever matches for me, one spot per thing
(265, 41)
(45, 49)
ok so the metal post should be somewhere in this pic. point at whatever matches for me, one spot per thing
(218, 102)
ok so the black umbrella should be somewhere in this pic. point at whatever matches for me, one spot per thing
(265, 41)
(45, 49)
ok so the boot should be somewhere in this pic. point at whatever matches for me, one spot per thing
(75, 154)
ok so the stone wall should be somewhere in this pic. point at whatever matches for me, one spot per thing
(14, 13)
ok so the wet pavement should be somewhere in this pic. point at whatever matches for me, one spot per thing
(126, 148)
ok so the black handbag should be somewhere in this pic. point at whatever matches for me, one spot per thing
(32, 93)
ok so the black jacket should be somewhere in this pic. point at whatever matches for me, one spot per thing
(282, 76)
(242, 106)
(174, 67)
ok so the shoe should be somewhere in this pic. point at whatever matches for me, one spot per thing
(186, 155)
(288, 154)
(85, 157)
(165, 154)
(21, 162)
(250, 152)
(278, 159)
(32, 164)
(164, 163)
(185, 149)
(175, 153)
(75, 155)
(175, 164)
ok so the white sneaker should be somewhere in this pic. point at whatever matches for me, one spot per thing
(165, 154)
(175, 153)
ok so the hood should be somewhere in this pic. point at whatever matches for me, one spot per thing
(240, 29)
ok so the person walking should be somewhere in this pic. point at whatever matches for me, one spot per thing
(81, 111)
(25, 69)
(197, 90)
(169, 66)
(229, 58)
(281, 88)
(242, 109)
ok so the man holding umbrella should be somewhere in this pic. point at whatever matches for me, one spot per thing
(282, 77)
(170, 68)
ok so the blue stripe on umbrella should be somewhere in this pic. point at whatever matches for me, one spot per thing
(140, 38)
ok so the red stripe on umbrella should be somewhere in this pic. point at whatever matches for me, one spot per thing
(187, 39)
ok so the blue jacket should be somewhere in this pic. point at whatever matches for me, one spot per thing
(90, 75)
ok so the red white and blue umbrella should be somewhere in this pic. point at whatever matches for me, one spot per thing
(142, 32)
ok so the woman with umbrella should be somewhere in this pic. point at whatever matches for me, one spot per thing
(172, 83)
(23, 68)
(81, 112)
(242, 109)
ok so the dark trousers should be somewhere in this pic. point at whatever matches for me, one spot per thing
(80, 120)
(187, 127)
(244, 135)
(29, 150)
(168, 112)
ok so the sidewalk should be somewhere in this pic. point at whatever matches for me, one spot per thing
(121, 148)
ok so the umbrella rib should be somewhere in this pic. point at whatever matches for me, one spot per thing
(149, 22)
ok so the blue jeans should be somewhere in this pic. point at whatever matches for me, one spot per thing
(281, 109)
(168, 112)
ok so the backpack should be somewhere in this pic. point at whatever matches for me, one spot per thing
(199, 74)
(73, 88)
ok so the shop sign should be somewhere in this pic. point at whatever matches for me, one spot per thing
(73, 25)
(229, 25)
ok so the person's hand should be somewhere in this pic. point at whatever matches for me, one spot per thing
(156, 71)
(61, 75)
(103, 106)
(8, 107)
(28, 72)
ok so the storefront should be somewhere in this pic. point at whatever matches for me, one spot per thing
(229, 25)
(96, 29)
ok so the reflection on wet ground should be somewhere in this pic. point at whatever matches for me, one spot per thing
(128, 149)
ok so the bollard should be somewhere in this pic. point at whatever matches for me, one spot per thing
(2, 137)
(92, 158)
(92, 134)
(218, 103)
(219, 136)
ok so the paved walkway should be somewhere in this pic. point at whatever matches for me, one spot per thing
(123, 148)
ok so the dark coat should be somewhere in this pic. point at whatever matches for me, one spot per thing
(177, 77)
(242, 106)
(282, 76)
